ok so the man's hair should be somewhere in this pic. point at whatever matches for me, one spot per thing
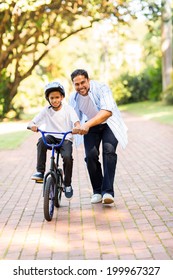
(79, 72)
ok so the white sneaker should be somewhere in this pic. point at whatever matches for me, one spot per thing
(96, 198)
(107, 198)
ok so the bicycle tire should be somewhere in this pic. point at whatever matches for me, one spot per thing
(49, 198)
(58, 189)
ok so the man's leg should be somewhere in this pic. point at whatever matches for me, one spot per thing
(109, 143)
(92, 142)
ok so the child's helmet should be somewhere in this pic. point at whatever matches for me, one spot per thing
(53, 86)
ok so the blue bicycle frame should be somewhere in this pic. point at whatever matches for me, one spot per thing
(53, 148)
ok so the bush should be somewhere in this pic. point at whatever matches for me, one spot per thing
(135, 88)
(167, 95)
(120, 93)
(138, 86)
(155, 76)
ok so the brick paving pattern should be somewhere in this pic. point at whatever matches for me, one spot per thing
(138, 226)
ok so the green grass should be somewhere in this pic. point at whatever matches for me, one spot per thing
(156, 111)
(150, 110)
(12, 140)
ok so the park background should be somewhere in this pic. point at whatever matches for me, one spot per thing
(127, 44)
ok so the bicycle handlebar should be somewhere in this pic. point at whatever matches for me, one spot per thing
(50, 132)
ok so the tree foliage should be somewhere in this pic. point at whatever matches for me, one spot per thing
(30, 28)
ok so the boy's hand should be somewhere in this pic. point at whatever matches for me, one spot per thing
(34, 128)
(76, 129)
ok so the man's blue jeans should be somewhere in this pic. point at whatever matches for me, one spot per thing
(102, 182)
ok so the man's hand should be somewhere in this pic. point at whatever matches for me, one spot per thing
(83, 129)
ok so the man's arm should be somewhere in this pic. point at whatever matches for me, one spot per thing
(101, 117)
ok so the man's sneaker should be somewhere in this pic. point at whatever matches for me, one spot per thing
(107, 198)
(68, 190)
(38, 177)
(96, 198)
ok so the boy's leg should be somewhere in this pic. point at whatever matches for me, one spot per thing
(66, 153)
(41, 160)
(42, 152)
(41, 155)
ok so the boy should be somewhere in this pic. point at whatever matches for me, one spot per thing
(56, 117)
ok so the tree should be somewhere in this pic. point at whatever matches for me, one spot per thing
(29, 30)
(167, 60)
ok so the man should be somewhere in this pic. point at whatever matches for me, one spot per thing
(100, 122)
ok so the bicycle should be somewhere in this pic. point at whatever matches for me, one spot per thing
(53, 179)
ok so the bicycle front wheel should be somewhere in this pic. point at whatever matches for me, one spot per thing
(49, 199)
(58, 190)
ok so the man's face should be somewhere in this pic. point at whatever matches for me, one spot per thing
(81, 85)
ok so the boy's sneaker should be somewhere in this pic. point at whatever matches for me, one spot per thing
(38, 177)
(68, 190)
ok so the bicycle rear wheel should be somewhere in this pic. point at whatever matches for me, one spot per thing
(49, 198)
(59, 188)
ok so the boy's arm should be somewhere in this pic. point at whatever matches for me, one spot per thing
(37, 120)
(33, 126)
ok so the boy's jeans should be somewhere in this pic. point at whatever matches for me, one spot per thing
(66, 153)
(101, 182)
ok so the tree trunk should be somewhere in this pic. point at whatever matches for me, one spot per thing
(8, 95)
(166, 44)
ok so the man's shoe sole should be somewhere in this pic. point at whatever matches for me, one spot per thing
(107, 201)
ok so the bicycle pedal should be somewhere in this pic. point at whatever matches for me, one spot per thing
(39, 182)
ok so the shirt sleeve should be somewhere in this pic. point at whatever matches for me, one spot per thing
(73, 115)
(40, 118)
(106, 99)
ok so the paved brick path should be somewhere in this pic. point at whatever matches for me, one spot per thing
(138, 226)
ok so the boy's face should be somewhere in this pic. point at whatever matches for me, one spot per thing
(81, 85)
(55, 98)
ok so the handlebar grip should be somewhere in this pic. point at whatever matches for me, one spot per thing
(29, 127)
